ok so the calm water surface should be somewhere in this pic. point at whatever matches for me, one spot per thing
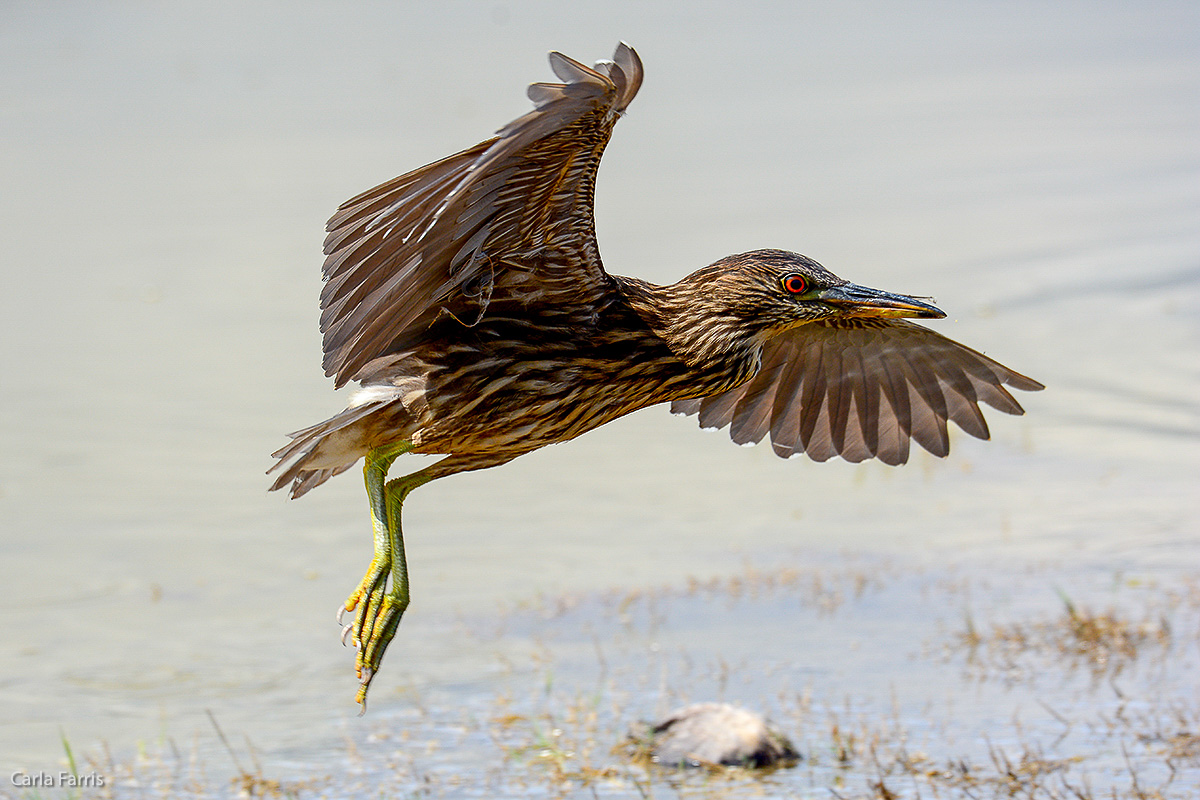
(166, 176)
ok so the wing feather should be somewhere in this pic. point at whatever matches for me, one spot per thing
(928, 403)
(398, 254)
(719, 412)
(855, 446)
(894, 386)
(785, 421)
(813, 390)
(868, 411)
(862, 389)
(840, 396)
(752, 415)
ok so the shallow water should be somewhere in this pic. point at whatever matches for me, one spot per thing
(166, 178)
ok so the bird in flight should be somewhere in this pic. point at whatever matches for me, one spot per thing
(468, 300)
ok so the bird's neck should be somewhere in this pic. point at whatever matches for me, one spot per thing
(698, 330)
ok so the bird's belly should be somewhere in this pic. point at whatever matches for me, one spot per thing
(495, 404)
(506, 398)
(524, 412)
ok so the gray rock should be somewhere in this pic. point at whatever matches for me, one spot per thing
(714, 734)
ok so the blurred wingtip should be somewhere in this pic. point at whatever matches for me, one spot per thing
(1025, 384)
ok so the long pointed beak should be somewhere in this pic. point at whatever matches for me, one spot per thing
(860, 301)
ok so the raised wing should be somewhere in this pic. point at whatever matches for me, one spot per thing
(442, 238)
(861, 389)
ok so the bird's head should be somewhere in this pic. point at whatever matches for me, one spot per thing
(745, 299)
(776, 290)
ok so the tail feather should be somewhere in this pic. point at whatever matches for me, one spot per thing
(305, 479)
(320, 451)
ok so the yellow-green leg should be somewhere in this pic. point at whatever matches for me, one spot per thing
(379, 608)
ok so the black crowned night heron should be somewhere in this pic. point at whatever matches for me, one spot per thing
(468, 299)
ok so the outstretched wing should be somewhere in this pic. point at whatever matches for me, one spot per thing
(444, 236)
(861, 389)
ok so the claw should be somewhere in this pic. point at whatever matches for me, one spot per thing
(374, 626)
(361, 697)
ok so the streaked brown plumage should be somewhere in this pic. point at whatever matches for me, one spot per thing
(469, 301)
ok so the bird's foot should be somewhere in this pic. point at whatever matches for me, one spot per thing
(380, 618)
(377, 613)
(374, 581)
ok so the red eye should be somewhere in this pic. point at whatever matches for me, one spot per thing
(795, 284)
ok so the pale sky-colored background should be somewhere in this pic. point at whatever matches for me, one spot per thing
(165, 175)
